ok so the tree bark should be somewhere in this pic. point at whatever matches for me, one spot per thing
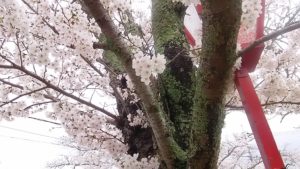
(187, 116)
(221, 20)
(176, 82)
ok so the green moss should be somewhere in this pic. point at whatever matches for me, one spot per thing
(178, 99)
(176, 85)
(111, 58)
(220, 27)
(167, 24)
(181, 160)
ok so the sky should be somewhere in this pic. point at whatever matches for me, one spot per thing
(29, 144)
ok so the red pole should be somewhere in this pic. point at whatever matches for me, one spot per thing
(258, 122)
(189, 37)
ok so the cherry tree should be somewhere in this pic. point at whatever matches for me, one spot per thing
(123, 81)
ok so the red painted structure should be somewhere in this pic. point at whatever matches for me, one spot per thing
(258, 122)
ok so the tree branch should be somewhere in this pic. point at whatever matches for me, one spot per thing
(11, 84)
(6, 66)
(269, 37)
(92, 65)
(97, 45)
(21, 95)
(56, 88)
(153, 111)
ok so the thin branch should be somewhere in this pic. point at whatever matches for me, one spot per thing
(269, 37)
(114, 137)
(106, 65)
(92, 65)
(11, 84)
(19, 49)
(228, 154)
(38, 104)
(21, 95)
(293, 17)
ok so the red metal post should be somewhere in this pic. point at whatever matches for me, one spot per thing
(251, 58)
(258, 122)
(199, 9)
(189, 37)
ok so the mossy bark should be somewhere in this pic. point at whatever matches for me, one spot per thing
(175, 84)
(139, 140)
(221, 21)
(197, 122)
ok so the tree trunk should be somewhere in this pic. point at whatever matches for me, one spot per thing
(186, 115)
(176, 83)
(197, 123)
(221, 21)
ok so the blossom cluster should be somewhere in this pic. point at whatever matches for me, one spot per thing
(138, 120)
(251, 11)
(145, 66)
(88, 128)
